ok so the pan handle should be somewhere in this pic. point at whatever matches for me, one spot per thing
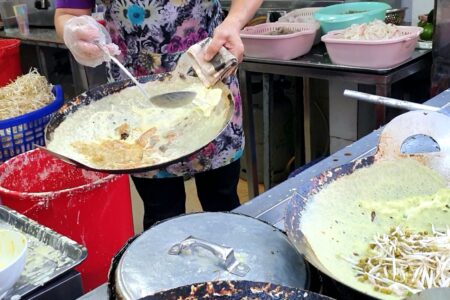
(226, 254)
(389, 101)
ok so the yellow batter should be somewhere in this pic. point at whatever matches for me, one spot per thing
(344, 216)
(125, 130)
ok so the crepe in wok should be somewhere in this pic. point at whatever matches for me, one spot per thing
(125, 131)
(334, 218)
(345, 215)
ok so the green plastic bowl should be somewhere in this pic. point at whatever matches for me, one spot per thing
(341, 16)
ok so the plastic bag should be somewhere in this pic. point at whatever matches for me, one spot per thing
(220, 67)
(80, 34)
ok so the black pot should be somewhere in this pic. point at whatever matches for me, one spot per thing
(236, 290)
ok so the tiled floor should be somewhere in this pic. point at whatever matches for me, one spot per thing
(192, 203)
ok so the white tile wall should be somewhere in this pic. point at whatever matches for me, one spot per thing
(343, 115)
(416, 8)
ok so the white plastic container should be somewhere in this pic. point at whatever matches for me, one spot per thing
(376, 54)
(13, 248)
(259, 43)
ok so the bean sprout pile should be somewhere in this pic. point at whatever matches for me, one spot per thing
(26, 94)
(405, 262)
(376, 30)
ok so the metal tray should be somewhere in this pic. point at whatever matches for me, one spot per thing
(49, 253)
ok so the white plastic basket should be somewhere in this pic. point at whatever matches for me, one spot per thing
(372, 53)
(303, 15)
(258, 43)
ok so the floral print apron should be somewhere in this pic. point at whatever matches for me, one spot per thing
(152, 34)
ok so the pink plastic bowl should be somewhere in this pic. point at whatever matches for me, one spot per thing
(375, 54)
(286, 46)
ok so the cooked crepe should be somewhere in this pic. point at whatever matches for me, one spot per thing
(340, 221)
(126, 131)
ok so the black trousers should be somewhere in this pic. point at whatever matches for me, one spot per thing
(165, 197)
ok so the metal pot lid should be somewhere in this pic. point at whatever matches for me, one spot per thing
(190, 249)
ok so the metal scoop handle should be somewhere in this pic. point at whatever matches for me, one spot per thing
(389, 101)
(122, 67)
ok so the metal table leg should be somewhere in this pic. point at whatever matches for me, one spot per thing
(267, 134)
(249, 130)
(41, 61)
(307, 119)
(298, 124)
(380, 110)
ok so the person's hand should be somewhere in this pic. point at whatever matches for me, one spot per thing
(226, 34)
(80, 33)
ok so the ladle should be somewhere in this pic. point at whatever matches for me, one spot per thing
(173, 99)
(122, 67)
(164, 99)
(389, 101)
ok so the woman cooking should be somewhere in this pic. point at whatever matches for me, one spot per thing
(151, 35)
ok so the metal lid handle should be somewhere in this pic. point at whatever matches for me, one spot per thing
(226, 254)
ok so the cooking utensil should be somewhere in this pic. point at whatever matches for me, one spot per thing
(236, 290)
(414, 144)
(401, 104)
(205, 247)
(173, 99)
(122, 67)
(221, 116)
(433, 124)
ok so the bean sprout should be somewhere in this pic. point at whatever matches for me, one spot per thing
(376, 30)
(26, 94)
(405, 262)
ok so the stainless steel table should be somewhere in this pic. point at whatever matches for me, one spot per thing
(270, 206)
(316, 64)
(41, 38)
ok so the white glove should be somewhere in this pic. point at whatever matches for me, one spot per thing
(80, 33)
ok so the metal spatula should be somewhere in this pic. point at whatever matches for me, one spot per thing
(173, 99)
(164, 99)
(177, 98)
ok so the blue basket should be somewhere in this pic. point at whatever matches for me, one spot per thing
(19, 134)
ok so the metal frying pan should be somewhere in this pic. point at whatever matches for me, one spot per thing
(98, 93)
(433, 124)
(236, 290)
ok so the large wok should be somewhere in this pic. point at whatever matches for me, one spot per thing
(204, 252)
(397, 137)
(99, 93)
